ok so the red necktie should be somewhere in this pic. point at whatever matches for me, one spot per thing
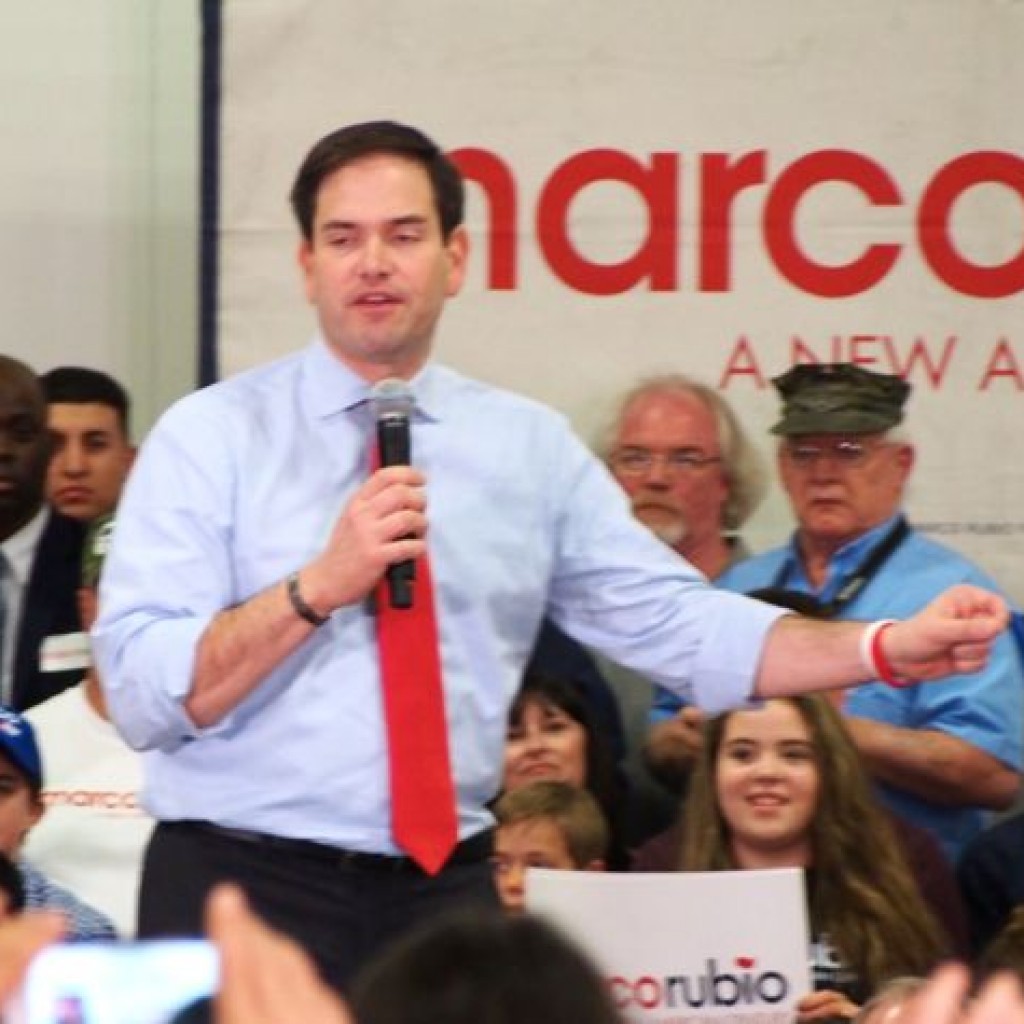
(423, 816)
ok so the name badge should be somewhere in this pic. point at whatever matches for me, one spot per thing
(65, 652)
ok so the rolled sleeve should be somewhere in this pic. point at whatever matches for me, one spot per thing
(168, 573)
(735, 632)
(150, 679)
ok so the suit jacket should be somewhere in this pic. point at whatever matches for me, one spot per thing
(49, 608)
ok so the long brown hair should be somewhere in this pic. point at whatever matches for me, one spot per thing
(863, 896)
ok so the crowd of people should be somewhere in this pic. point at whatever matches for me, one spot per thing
(202, 656)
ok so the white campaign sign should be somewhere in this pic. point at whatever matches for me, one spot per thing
(687, 947)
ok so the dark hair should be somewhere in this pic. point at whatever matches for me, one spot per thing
(1005, 952)
(14, 371)
(346, 145)
(483, 968)
(600, 777)
(80, 384)
(862, 893)
(12, 884)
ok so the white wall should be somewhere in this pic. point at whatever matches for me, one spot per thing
(99, 196)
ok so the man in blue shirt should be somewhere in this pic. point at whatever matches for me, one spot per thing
(943, 755)
(236, 643)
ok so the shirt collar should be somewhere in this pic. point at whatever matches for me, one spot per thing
(20, 548)
(331, 387)
(843, 562)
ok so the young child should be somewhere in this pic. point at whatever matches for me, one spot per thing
(545, 825)
(21, 807)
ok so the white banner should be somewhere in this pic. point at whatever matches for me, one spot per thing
(721, 189)
(687, 947)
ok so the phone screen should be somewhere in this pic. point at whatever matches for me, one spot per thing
(159, 981)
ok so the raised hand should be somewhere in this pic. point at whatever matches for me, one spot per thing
(383, 523)
(953, 634)
(265, 977)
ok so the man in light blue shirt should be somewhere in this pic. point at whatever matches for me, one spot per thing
(944, 755)
(235, 640)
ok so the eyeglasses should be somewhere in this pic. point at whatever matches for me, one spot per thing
(844, 451)
(679, 462)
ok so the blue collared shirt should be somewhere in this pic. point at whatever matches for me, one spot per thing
(241, 483)
(83, 922)
(985, 709)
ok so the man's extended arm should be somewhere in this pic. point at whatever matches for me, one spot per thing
(953, 634)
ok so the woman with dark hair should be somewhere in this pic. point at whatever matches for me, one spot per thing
(552, 735)
(782, 785)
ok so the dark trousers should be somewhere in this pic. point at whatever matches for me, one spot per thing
(343, 909)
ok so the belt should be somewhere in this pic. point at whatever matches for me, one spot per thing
(476, 848)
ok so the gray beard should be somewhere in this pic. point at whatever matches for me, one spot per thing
(672, 534)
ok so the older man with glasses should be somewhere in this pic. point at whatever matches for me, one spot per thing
(945, 757)
(693, 478)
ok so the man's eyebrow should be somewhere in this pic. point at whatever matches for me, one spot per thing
(337, 225)
(404, 220)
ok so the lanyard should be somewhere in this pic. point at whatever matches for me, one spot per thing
(861, 576)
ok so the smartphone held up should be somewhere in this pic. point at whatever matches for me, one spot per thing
(159, 981)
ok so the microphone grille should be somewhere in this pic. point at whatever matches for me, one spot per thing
(391, 397)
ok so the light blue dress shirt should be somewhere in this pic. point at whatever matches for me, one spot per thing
(241, 483)
(985, 709)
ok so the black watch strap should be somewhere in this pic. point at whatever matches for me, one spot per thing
(298, 602)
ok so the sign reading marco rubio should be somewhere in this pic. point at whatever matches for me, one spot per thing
(688, 947)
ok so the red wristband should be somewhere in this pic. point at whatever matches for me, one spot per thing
(874, 657)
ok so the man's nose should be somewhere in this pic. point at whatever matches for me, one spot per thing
(72, 459)
(824, 466)
(512, 881)
(515, 877)
(7, 447)
(658, 473)
(375, 260)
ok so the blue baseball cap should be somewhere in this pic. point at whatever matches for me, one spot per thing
(18, 744)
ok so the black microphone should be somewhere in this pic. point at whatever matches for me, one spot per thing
(392, 403)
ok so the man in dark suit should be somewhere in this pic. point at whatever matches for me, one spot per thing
(42, 649)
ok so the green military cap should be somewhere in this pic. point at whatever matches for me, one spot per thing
(94, 550)
(838, 398)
